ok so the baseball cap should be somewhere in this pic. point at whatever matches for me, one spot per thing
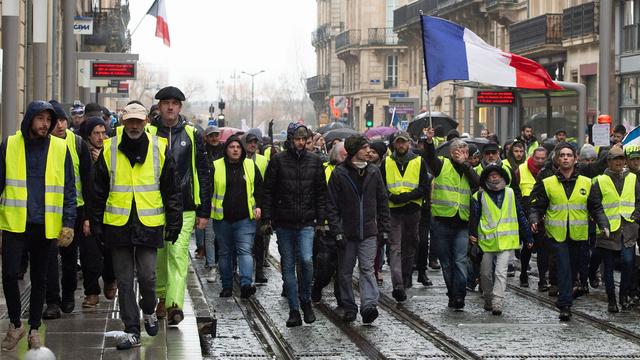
(134, 111)
(402, 135)
(614, 153)
(632, 151)
(211, 129)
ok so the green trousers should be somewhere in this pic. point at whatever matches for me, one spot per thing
(173, 265)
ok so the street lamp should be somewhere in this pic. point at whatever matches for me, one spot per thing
(252, 82)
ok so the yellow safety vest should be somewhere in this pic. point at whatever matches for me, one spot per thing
(73, 150)
(399, 184)
(562, 211)
(617, 206)
(527, 180)
(451, 193)
(140, 183)
(194, 172)
(498, 227)
(328, 169)
(532, 147)
(13, 201)
(262, 162)
(505, 165)
(220, 187)
(267, 152)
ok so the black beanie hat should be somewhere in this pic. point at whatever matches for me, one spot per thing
(380, 147)
(355, 143)
(87, 127)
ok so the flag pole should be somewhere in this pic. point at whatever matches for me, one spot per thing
(426, 74)
(130, 37)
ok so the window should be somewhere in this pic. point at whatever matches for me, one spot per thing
(629, 90)
(392, 71)
(629, 12)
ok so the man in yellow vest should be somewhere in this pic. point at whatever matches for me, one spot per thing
(528, 138)
(496, 222)
(406, 179)
(193, 174)
(37, 206)
(69, 255)
(616, 195)
(237, 188)
(137, 207)
(454, 182)
(561, 201)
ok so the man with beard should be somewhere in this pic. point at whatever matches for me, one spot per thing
(528, 138)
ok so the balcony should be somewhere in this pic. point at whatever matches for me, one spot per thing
(382, 36)
(579, 21)
(502, 11)
(630, 38)
(110, 31)
(493, 4)
(538, 36)
(407, 15)
(390, 84)
(347, 39)
(318, 83)
(320, 36)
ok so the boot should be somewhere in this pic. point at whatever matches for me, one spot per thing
(612, 307)
(307, 310)
(294, 318)
(260, 278)
(524, 279)
(565, 313)
(423, 278)
(51, 312)
(399, 295)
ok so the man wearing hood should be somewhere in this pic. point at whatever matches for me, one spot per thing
(37, 205)
(237, 184)
(137, 204)
(69, 255)
(294, 203)
(491, 156)
(405, 176)
(193, 172)
(496, 224)
(358, 211)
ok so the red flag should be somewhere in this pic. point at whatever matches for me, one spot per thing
(159, 10)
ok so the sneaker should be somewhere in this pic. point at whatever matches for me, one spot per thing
(399, 295)
(458, 304)
(51, 312)
(543, 286)
(151, 324)
(110, 289)
(294, 319)
(307, 310)
(12, 338)
(369, 314)
(212, 275)
(247, 291)
(174, 316)
(130, 341)
(90, 301)
(161, 311)
(423, 278)
(33, 340)
(434, 265)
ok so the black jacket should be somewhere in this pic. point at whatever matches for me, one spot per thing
(36, 151)
(294, 190)
(134, 232)
(180, 150)
(85, 176)
(357, 205)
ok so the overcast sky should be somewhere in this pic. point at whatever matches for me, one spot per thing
(210, 39)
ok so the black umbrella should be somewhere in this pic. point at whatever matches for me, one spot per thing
(331, 126)
(437, 118)
(339, 134)
(443, 150)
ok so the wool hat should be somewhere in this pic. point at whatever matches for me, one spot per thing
(354, 143)
(87, 127)
(380, 147)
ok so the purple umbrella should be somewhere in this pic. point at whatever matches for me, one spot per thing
(381, 131)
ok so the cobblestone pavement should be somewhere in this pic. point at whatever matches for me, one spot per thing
(528, 329)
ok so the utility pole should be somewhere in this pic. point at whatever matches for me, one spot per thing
(252, 93)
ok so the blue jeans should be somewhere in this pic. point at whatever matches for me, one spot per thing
(206, 237)
(569, 258)
(452, 246)
(292, 244)
(609, 256)
(236, 236)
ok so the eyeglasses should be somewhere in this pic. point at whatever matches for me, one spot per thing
(77, 112)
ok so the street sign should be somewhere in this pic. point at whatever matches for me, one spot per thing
(123, 88)
(495, 98)
(113, 70)
(83, 25)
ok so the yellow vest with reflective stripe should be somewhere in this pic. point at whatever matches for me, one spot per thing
(13, 201)
(140, 183)
(262, 163)
(220, 187)
(328, 170)
(267, 152)
(532, 147)
(527, 180)
(498, 227)
(72, 146)
(399, 184)
(194, 172)
(451, 192)
(617, 206)
(563, 211)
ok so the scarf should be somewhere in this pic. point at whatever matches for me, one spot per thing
(496, 185)
(485, 164)
(532, 167)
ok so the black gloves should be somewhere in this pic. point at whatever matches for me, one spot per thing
(171, 235)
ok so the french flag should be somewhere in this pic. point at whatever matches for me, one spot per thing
(452, 52)
(159, 10)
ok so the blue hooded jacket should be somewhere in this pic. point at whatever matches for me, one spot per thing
(36, 157)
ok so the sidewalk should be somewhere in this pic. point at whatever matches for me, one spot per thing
(81, 334)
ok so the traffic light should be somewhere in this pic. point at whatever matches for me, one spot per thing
(221, 122)
(221, 105)
(368, 115)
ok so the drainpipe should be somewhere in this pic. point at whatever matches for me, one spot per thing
(581, 89)
(10, 39)
(68, 52)
(604, 77)
(39, 23)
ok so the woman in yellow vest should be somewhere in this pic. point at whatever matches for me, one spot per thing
(495, 223)
(616, 195)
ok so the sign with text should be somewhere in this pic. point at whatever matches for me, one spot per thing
(600, 133)
(83, 26)
(495, 98)
(113, 70)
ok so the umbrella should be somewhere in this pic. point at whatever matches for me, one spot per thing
(331, 126)
(381, 131)
(226, 132)
(339, 134)
(438, 119)
(443, 150)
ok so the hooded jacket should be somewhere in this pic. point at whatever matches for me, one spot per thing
(36, 160)
(294, 188)
(235, 195)
(180, 150)
(134, 232)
